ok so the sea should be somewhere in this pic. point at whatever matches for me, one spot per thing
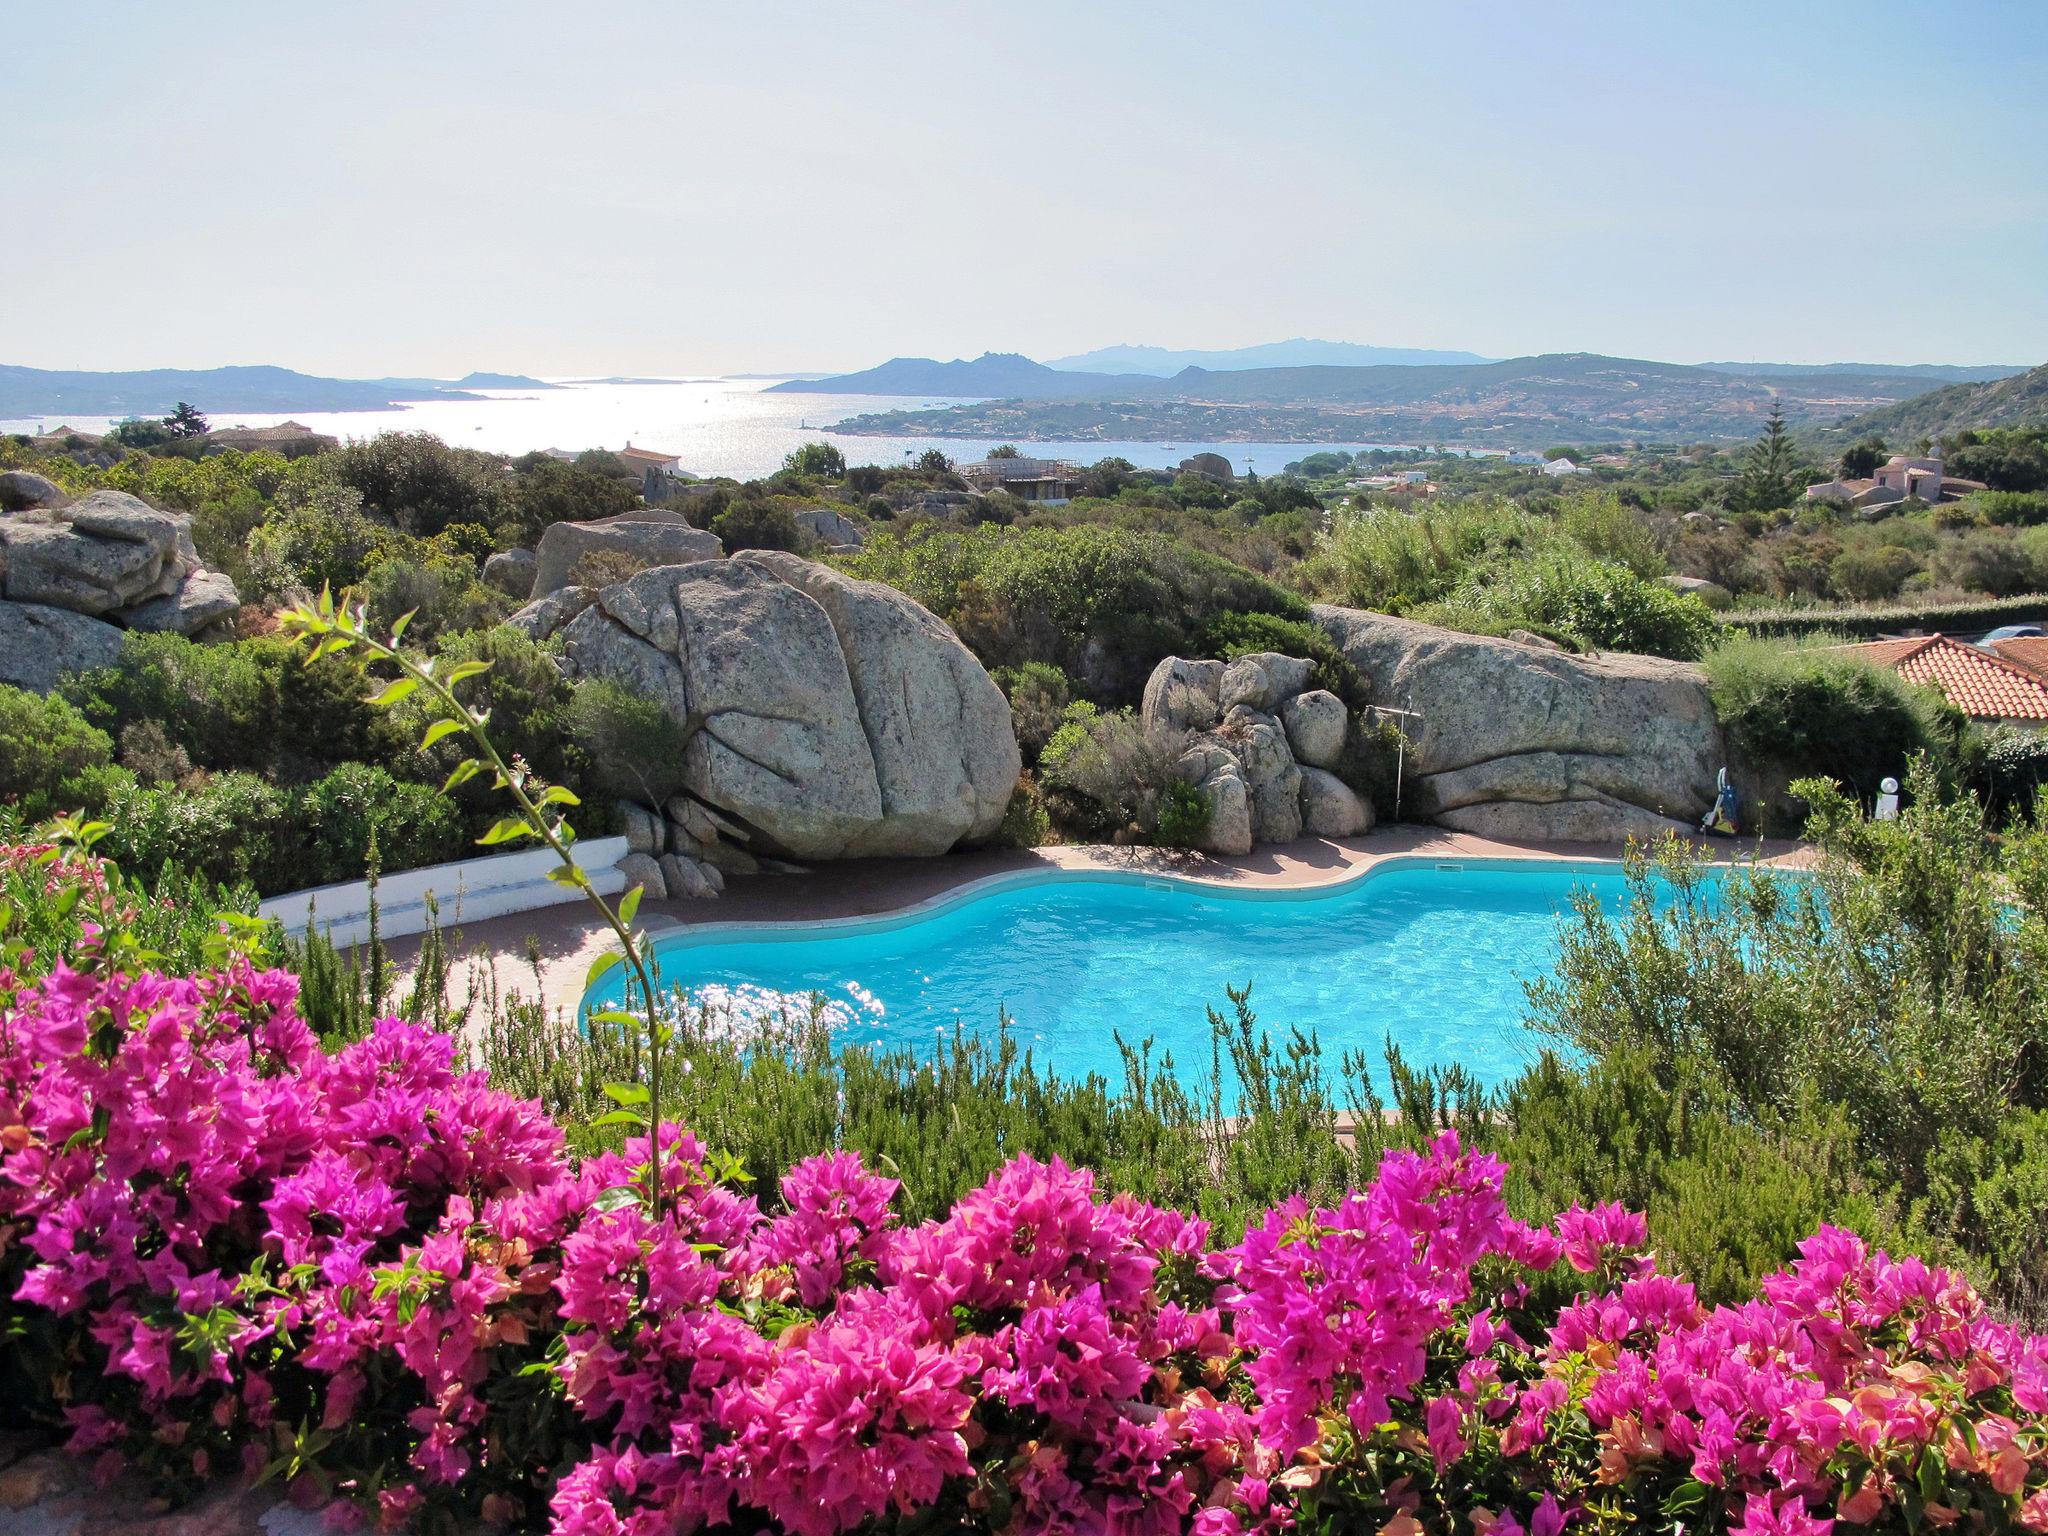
(716, 426)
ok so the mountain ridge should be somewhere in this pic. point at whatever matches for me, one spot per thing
(37, 392)
(1297, 352)
(2020, 400)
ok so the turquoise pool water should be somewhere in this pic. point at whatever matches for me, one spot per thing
(1433, 955)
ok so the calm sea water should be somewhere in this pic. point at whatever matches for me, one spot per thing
(1433, 957)
(716, 426)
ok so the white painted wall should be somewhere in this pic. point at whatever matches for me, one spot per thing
(467, 892)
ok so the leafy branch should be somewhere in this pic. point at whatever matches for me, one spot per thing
(540, 817)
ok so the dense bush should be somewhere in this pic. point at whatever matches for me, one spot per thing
(1231, 635)
(251, 705)
(51, 759)
(1104, 604)
(1039, 694)
(1791, 712)
(1105, 776)
(1901, 982)
(757, 523)
(419, 483)
(238, 829)
(389, 1281)
(1594, 603)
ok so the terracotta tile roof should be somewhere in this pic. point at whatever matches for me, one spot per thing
(2029, 651)
(1981, 685)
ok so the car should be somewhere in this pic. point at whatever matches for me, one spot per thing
(2013, 632)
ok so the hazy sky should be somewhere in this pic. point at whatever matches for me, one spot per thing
(599, 187)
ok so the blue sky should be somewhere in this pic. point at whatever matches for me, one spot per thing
(673, 187)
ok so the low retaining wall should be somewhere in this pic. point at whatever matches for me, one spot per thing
(468, 891)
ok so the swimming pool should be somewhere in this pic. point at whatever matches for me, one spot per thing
(1428, 953)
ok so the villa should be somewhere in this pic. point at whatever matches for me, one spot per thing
(1988, 687)
(1048, 480)
(1900, 479)
(644, 459)
(1564, 467)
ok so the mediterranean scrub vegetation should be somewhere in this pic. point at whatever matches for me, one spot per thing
(406, 1289)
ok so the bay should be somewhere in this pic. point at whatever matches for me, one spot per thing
(716, 426)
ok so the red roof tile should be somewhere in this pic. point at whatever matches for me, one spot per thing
(2029, 651)
(1981, 685)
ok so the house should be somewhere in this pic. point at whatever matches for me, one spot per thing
(644, 459)
(1564, 467)
(1983, 685)
(1027, 479)
(1899, 480)
(1524, 456)
(56, 436)
(292, 439)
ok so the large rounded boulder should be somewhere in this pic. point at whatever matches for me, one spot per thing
(824, 717)
(1521, 742)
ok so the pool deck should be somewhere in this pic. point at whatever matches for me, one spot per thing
(559, 943)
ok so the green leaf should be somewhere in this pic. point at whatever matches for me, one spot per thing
(557, 795)
(467, 669)
(601, 967)
(621, 1117)
(508, 829)
(627, 1093)
(628, 904)
(399, 627)
(617, 1016)
(614, 1198)
(438, 731)
(465, 770)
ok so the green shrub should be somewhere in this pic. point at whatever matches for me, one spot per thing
(1025, 821)
(413, 825)
(548, 491)
(1231, 635)
(249, 705)
(1039, 694)
(1102, 603)
(51, 758)
(748, 523)
(1182, 816)
(420, 483)
(2021, 509)
(236, 829)
(1895, 991)
(634, 745)
(1867, 623)
(1791, 712)
(1599, 604)
(443, 594)
(1390, 560)
(1103, 774)
(2009, 769)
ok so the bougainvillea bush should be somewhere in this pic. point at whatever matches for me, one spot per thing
(386, 1286)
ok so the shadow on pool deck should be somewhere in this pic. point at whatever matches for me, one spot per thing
(565, 939)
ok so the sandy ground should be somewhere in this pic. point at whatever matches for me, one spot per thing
(559, 943)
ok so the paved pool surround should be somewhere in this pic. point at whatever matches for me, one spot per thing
(567, 939)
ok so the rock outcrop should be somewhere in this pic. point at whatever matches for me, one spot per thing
(23, 490)
(605, 550)
(40, 644)
(1523, 743)
(831, 527)
(108, 558)
(511, 571)
(1245, 723)
(824, 717)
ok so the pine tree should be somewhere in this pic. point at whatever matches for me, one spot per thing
(1769, 480)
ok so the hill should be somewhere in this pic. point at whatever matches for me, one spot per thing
(1008, 375)
(27, 392)
(2019, 401)
(1518, 402)
(1934, 373)
(1300, 352)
